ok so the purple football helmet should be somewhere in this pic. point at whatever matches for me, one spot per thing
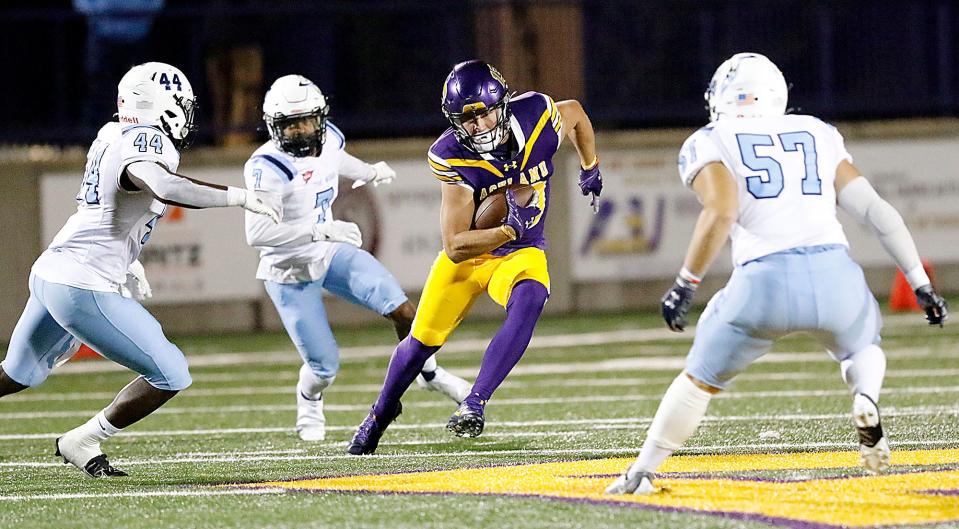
(472, 90)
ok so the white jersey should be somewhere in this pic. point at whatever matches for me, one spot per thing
(95, 247)
(785, 168)
(304, 189)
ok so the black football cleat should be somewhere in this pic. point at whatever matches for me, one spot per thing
(367, 436)
(96, 467)
(467, 420)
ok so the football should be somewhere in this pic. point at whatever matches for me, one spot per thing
(491, 212)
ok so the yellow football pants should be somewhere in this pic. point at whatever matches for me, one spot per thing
(452, 288)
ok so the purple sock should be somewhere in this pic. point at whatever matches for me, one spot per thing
(407, 361)
(507, 347)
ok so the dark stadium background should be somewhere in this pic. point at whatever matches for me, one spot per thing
(634, 63)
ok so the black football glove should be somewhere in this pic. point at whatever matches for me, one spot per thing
(676, 302)
(937, 310)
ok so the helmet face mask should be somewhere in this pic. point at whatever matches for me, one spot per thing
(295, 113)
(180, 127)
(160, 95)
(486, 140)
(473, 91)
(747, 85)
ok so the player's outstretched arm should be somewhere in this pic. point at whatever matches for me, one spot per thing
(858, 198)
(456, 215)
(717, 191)
(179, 190)
(363, 173)
(577, 127)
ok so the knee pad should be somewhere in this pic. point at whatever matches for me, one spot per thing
(173, 375)
(325, 368)
(530, 293)
(177, 380)
(26, 377)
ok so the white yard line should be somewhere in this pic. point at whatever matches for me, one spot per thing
(618, 365)
(443, 403)
(291, 377)
(144, 494)
(349, 354)
(601, 423)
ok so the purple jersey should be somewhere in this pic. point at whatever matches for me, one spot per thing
(535, 123)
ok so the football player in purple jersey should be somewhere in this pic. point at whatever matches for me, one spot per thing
(495, 140)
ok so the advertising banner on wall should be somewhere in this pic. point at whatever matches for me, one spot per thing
(192, 255)
(647, 216)
(921, 179)
(644, 221)
(202, 255)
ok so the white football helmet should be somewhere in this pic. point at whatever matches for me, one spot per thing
(293, 98)
(747, 85)
(158, 94)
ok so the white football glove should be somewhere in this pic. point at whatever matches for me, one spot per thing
(136, 286)
(246, 199)
(382, 173)
(338, 231)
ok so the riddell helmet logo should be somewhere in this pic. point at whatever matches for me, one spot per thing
(129, 119)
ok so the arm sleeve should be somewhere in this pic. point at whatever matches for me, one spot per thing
(859, 199)
(269, 182)
(260, 231)
(167, 186)
(697, 151)
(354, 168)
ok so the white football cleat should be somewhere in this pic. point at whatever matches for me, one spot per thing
(310, 421)
(447, 384)
(873, 446)
(875, 458)
(86, 455)
(640, 483)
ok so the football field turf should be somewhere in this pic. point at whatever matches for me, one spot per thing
(777, 450)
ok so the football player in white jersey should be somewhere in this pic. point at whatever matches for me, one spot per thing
(308, 251)
(772, 182)
(75, 284)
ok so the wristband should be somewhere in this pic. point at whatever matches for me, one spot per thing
(235, 196)
(592, 163)
(508, 231)
(687, 278)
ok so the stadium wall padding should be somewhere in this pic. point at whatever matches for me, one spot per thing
(573, 289)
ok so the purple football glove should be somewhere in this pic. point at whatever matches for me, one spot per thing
(520, 217)
(591, 183)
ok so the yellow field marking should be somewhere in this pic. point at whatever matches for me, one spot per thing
(922, 496)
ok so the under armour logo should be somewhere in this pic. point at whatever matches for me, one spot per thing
(510, 165)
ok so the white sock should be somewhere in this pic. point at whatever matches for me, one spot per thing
(430, 365)
(679, 414)
(310, 385)
(864, 371)
(97, 429)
